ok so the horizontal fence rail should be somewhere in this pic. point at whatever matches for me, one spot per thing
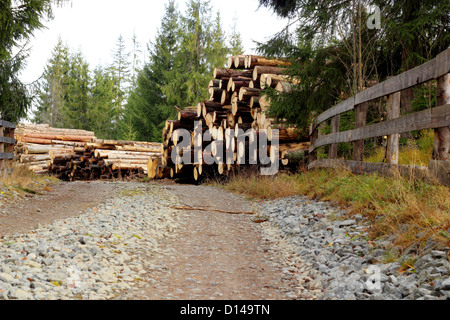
(426, 119)
(433, 69)
(437, 118)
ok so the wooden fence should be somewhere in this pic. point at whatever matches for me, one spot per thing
(7, 141)
(437, 118)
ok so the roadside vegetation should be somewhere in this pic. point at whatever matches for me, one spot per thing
(408, 211)
(18, 180)
(416, 151)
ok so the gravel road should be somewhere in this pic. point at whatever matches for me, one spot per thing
(143, 241)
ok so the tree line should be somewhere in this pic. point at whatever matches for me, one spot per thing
(70, 94)
(332, 49)
(125, 100)
(128, 99)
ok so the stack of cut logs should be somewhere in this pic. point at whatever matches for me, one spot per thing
(236, 102)
(37, 144)
(79, 155)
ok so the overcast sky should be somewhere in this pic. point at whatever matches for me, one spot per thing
(93, 26)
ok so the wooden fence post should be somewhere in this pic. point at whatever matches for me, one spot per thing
(10, 134)
(442, 135)
(393, 140)
(313, 138)
(335, 122)
(2, 149)
(360, 118)
(439, 166)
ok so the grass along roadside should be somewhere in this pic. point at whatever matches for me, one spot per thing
(409, 213)
(18, 180)
(416, 151)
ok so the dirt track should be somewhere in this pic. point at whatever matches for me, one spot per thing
(214, 255)
(61, 200)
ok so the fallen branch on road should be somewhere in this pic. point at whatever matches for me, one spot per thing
(209, 209)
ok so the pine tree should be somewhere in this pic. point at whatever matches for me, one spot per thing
(414, 32)
(101, 109)
(120, 69)
(219, 51)
(235, 40)
(77, 95)
(69, 97)
(53, 87)
(147, 109)
(185, 82)
(181, 61)
(136, 62)
(332, 41)
(18, 20)
(200, 50)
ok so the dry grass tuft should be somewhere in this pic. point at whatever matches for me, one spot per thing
(415, 152)
(249, 182)
(263, 187)
(15, 175)
(23, 180)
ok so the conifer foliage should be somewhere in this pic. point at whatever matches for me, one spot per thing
(183, 56)
(130, 100)
(337, 53)
(18, 20)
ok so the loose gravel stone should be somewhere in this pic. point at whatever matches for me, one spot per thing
(107, 249)
(92, 256)
(334, 261)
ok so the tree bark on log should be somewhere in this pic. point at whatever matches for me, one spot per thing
(187, 116)
(26, 158)
(36, 128)
(226, 98)
(215, 94)
(141, 149)
(252, 61)
(236, 85)
(284, 86)
(128, 166)
(220, 73)
(277, 78)
(214, 83)
(259, 70)
(45, 138)
(245, 93)
(40, 149)
(239, 62)
(265, 81)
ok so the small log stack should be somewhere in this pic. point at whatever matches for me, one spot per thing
(236, 102)
(78, 155)
(37, 142)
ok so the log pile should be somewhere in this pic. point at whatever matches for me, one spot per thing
(105, 160)
(37, 143)
(78, 155)
(236, 102)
